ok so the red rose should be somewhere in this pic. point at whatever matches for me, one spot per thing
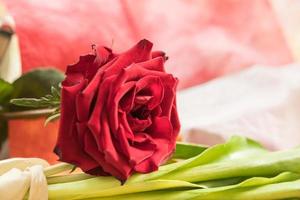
(118, 112)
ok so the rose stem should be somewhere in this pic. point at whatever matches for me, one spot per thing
(68, 178)
(57, 168)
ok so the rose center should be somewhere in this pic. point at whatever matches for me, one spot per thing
(140, 113)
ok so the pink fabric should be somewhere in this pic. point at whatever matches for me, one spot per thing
(204, 39)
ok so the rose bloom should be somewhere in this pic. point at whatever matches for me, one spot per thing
(118, 112)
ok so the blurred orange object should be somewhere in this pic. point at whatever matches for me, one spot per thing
(30, 138)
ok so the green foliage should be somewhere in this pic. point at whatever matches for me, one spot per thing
(239, 169)
(52, 117)
(48, 101)
(35, 84)
(6, 90)
(186, 150)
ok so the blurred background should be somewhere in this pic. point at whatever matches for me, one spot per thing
(236, 61)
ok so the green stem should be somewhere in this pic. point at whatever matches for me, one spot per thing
(106, 187)
(68, 178)
(283, 186)
(57, 168)
(187, 150)
(267, 164)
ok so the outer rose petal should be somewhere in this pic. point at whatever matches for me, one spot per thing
(175, 120)
(151, 164)
(92, 150)
(88, 65)
(156, 64)
(110, 153)
(170, 84)
(85, 98)
(103, 55)
(134, 154)
(81, 66)
(156, 54)
(100, 128)
(68, 146)
(139, 53)
(137, 71)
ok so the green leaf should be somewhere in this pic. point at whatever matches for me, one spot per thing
(263, 164)
(236, 148)
(36, 84)
(174, 189)
(6, 90)
(48, 101)
(55, 92)
(51, 118)
(68, 178)
(187, 150)
(36, 103)
(283, 186)
(237, 170)
(255, 188)
(89, 188)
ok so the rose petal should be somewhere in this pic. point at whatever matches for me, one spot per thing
(116, 93)
(103, 55)
(81, 130)
(94, 120)
(160, 155)
(89, 64)
(110, 153)
(156, 64)
(125, 125)
(82, 65)
(90, 147)
(115, 82)
(67, 141)
(139, 53)
(161, 127)
(142, 99)
(99, 76)
(161, 131)
(84, 99)
(151, 86)
(127, 101)
(170, 84)
(138, 125)
(134, 154)
(73, 79)
(161, 54)
(156, 112)
(135, 72)
(175, 120)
